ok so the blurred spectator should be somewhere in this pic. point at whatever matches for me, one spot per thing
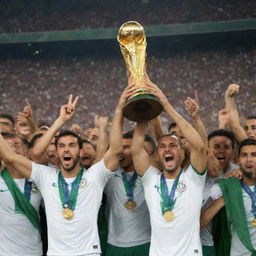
(37, 15)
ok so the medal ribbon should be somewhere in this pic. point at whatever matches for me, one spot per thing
(68, 200)
(252, 195)
(27, 189)
(168, 201)
(129, 185)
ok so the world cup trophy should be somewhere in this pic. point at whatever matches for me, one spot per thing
(141, 106)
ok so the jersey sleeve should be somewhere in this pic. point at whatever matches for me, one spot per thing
(39, 173)
(100, 173)
(195, 176)
(216, 192)
(149, 175)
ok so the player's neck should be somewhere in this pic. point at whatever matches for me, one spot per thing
(129, 168)
(249, 181)
(172, 175)
(72, 173)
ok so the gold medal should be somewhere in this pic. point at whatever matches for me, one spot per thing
(169, 216)
(253, 222)
(130, 205)
(67, 213)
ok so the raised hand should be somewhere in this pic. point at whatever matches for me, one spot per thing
(127, 93)
(192, 107)
(27, 110)
(156, 91)
(67, 111)
(233, 90)
(100, 121)
(21, 117)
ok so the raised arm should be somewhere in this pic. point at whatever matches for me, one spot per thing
(192, 107)
(101, 122)
(156, 127)
(18, 162)
(66, 113)
(224, 119)
(141, 159)
(198, 156)
(30, 117)
(111, 157)
(235, 125)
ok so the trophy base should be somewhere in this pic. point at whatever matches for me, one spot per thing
(142, 108)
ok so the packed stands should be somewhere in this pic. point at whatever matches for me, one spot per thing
(36, 15)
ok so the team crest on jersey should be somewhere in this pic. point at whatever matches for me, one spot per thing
(34, 189)
(83, 183)
(181, 187)
(54, 184)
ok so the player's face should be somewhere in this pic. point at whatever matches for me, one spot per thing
(17, 145)
(6, 125)
(126, 156)
(221, 146)
(87, 155)
(68, 152)
(170, 153)
(250, 128)
(23, 128)
(247, 161)
(51, 154)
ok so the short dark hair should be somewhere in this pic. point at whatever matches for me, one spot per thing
(246, 142)
(68, 133)
(250, 117)
(10, 135)
(88, 142)
(148, 138)
(128, 135)
(34, 139)
(9, 117)
(222, 132)
(171, 125)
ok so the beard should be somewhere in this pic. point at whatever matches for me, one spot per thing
(249, 174)
(170, 171)
(73, 165)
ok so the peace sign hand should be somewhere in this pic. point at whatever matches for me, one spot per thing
(67, 111)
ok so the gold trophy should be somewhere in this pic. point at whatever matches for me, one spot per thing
(141, 106)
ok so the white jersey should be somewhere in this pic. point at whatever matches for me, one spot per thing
(17, 234)
(181, 236)
(206, 233)
(126, 228)
(237, 247)
(78, 236)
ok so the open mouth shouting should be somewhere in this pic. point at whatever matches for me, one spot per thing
(221, 159)
(121, 159)
(67, 160)
(169, 160)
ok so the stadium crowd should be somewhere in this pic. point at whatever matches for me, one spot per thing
(33, 16)
(99, 81)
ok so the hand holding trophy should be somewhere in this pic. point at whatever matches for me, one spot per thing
(141, 106)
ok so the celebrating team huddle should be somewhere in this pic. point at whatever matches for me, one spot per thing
(136, 193)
